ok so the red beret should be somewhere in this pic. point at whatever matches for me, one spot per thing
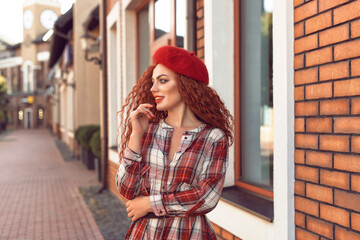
(182, 62)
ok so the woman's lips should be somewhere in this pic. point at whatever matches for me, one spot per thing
(158, 99)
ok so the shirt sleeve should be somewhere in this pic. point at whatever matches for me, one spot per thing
(203, 197)
(128, 174)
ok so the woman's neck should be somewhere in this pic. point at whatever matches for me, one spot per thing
(182, 118)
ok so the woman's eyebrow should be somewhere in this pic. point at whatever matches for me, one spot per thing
(161, 75)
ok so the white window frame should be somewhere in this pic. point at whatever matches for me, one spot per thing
(114, 72)
(219, 32)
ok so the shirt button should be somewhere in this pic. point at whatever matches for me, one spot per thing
(185, 137)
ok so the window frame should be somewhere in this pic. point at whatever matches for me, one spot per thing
(237, 113)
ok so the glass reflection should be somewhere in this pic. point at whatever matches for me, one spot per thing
(162, 17)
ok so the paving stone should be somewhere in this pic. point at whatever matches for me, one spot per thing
(39, 191)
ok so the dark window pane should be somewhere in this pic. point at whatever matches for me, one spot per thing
(256, 92)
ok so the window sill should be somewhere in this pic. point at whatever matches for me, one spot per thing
(249, 202)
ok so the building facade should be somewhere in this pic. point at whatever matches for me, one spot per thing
(25, 68)
(287, 71)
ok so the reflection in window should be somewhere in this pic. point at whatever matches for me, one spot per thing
(180, 22)
(162, 17)
(256, 92)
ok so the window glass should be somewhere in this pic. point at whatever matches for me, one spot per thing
(256, 93)
(162, 17)
(180, 22)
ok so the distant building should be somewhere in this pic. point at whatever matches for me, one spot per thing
(24, 65)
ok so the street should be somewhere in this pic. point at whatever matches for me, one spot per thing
(39, 196)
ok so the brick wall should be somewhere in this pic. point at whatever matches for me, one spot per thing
(200, 29)
(327, 120)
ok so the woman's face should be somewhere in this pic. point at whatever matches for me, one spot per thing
(165, 89)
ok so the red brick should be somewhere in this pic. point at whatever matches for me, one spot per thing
(200, 23)
(344, 234)
(335, 215)
(199, 4)
(334, 35)
(227, 235)
(355, 29)
(326, 4)
(355, 106)
(355, 144)
(299, 187)
(355, 183)
(316, 91)
(347, 50)
(306, 76)
(299, 29)
(298, 2)
(318, 22)
(347, 12)
(300, 219)
(299, 93)
(216, 228)
(306, 141)
(320, 227)
(355, 67)
(320, 193)
(299, 61)
(347, 162)
(334, 143)
(200, 33)
(347, 200)
(355, 221)
(319, 125)
(306, 43)
(334, 71)
(320, 56)
(306, 108)
(305, 11)
(307, 173)
(319, 159)
(299, 156)
(334, 179)
(301, 234)
(200, 13)
(307, 206)
(347, 88)
(299, 125)
(347, 125)
(334, 107)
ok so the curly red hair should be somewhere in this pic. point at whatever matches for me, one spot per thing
(205, 104)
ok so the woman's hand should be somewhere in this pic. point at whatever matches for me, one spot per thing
(140, 119)
(138, 207)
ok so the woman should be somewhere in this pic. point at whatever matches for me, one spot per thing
(174, 149)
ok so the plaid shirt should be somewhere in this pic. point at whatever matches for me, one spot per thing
(181, 190)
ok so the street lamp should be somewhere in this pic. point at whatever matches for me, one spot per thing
(90, 44)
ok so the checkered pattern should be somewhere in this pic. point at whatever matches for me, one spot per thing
(181, 190)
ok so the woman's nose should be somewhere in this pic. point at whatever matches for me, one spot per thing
(154, 87)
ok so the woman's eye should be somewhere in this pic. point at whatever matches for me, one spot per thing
(163, 80)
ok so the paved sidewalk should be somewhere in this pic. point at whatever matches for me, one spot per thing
(39, 196)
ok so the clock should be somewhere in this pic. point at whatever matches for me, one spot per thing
(48, 18)
(28, 19)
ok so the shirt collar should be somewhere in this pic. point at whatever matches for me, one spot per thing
(168, 127)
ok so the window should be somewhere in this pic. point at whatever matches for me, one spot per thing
(253, 98)
(172, 23)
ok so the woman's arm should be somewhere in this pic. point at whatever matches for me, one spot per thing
(128, 174)
(203, 197)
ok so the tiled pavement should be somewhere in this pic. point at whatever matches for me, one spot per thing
(39, 197)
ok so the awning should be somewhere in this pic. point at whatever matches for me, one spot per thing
(62, 27)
